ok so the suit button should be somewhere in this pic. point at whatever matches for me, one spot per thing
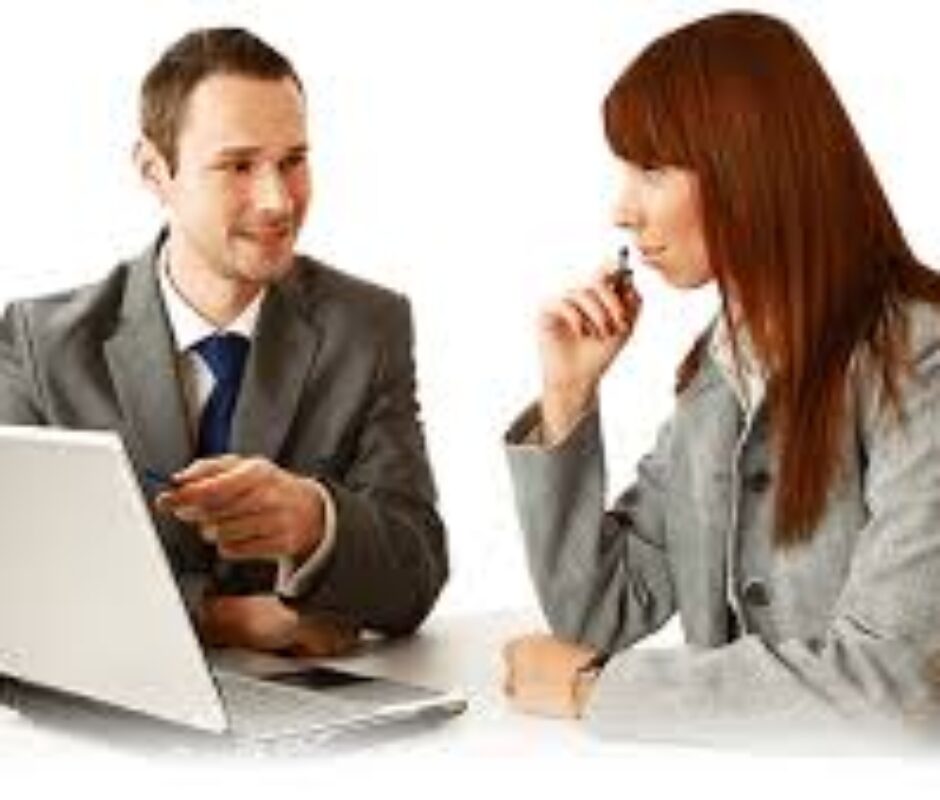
(758, 483)
(756, 593)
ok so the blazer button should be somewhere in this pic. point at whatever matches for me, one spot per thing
(758, 482)
(756, 593)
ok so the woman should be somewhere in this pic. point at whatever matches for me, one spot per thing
(790, 511)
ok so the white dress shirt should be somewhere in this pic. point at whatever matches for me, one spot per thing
(741, 370)
(189, 328)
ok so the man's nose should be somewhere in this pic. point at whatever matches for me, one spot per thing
(270, 193)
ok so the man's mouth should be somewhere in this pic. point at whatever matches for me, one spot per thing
(268, 235)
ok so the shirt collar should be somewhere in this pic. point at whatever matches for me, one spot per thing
(188, 326)
(741, 369)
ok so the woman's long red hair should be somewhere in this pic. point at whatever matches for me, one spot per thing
(798, 229)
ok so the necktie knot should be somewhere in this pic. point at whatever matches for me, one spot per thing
(225, 355)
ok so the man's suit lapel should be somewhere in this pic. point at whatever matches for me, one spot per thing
(284, 347)
(142, 360)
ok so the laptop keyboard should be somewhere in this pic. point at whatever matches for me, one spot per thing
(260, 709)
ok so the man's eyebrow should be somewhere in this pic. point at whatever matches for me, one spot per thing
(236, 152)
(227, 153)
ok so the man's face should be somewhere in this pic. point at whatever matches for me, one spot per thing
(241, 187)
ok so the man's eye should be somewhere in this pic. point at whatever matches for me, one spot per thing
(237, 167)
(293, 161)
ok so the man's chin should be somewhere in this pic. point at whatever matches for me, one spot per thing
(261, 267)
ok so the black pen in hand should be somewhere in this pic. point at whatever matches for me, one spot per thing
(622, 276)
(158, 482)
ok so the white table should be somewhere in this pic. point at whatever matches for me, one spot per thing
(463, 653)
(489, 745)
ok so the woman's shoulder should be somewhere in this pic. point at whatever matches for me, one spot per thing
(922, 323)
(914, 383)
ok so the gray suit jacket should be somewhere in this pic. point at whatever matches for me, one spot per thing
(845, 628)
(329, 391)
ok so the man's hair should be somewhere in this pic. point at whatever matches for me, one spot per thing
(200, 54)
(797, 227)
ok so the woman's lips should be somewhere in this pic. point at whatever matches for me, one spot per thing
(651, 253)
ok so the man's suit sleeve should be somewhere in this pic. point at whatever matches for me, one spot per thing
(602, 577)
(389, 559)
(18, 404)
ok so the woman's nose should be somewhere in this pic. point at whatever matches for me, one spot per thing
(628, 208)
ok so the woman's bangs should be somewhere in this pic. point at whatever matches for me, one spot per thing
(635, 123)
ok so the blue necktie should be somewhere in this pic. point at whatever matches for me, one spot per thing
(225, 354)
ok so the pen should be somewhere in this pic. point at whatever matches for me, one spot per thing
(622, 274)
(624, 270)
(158, 481)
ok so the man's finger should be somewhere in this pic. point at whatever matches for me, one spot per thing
(242, 527)
(217, 491)
(207, 467)
(250, 546)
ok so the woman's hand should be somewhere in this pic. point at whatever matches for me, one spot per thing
(543, 675)
(579, 336)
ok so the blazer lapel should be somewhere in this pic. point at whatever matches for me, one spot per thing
(711, 421)
(142, 360)
(282, 353)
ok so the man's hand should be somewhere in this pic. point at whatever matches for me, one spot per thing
(249, 508)
(542, 675)
(263, 622)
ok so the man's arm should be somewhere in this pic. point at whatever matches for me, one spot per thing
(389, 558)
(18, 397)
(365, 540)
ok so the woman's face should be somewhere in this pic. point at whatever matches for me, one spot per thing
(661, 207)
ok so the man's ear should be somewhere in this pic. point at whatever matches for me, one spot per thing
(152, 168)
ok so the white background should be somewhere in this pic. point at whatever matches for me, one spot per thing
(457, 156)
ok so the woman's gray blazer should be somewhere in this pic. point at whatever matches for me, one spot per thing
(843, 629)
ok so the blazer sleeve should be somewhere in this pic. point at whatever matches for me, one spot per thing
(389, 558)
(877, 667)
(18, 398)
(602, 577)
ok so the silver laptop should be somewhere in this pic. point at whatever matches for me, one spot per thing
(89, 608)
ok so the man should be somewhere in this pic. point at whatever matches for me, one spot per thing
(274, 395)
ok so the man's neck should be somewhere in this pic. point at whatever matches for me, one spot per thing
(217, 299)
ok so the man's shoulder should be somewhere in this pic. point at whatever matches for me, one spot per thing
(323, 286)
(314, 274)
(92, 305)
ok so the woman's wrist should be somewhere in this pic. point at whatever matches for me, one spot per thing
(561, 408)
(584, 679)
